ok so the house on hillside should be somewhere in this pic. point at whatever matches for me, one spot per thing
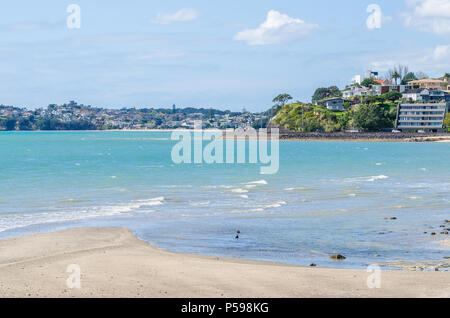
(426, 95)
(383, 81)
(435, 95)
(428, 83)
(334, 103)
(413, 94)
(386, 88)
(383, 87)
(356, 91)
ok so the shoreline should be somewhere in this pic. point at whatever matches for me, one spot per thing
(114, 263)
(293, 136)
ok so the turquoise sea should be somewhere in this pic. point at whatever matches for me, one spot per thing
(327, 197)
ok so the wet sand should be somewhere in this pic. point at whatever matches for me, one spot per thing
(114, 263)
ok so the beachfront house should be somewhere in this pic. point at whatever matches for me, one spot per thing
(428, 117)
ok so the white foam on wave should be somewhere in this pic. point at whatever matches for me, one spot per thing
(258, 182)
(204, 203)
(154, 201)
(23, 220)
(217, 187)
(374, 178)
(299, 189)
(243, 196)
(238, 190)
(275, 205)
(367, 179)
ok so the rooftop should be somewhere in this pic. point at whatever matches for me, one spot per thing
(426, 80)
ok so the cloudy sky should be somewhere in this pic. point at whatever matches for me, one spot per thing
(224, 54)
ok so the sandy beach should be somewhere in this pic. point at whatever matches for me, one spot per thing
(114, 263)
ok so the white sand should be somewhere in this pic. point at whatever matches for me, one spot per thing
(116, 264)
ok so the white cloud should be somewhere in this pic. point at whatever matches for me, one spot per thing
(441, 52)
(429, 15)
(277, 28)
(183, 15)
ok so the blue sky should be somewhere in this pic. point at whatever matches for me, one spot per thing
(227, 55)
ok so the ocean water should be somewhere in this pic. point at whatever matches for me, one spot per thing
(327, 197)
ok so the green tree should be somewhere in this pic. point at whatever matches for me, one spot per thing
(11, 124)
(25, 124)
(408, 78)
(392, 96)
(326, 92)
(282, 99)
(368, 82)
(261, 123)
(395, 76)
(398, 72)
(447, 122)
(369, 117)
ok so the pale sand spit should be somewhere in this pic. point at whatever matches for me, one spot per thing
(114, 263)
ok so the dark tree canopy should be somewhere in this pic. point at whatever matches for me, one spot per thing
(368, 82)
(370, 117)
(408, 78)
(282, 99)
(11, 124)
(25, 124)
(392, 96)
(326, 92)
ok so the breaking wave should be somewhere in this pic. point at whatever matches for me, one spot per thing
(76, 214)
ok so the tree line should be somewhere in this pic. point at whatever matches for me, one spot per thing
(45, 124)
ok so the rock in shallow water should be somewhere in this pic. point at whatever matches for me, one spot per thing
(337, 257)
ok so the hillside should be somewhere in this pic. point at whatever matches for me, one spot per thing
(373, 114)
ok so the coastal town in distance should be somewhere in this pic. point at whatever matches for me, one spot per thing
(400, 101)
